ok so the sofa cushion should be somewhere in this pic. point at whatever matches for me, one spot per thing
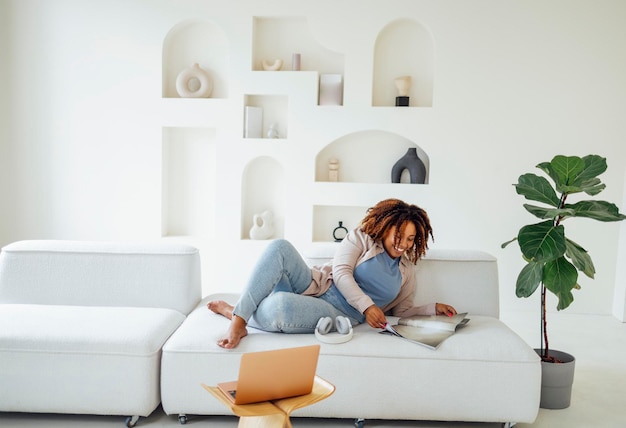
(481, 362)
(86, 330)
(202, 329)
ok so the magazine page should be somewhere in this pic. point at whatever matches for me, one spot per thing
(431, 331)
(428, 337)
(439, 322)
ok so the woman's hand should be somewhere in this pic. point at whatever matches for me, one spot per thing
(375, 317)
(443, 309)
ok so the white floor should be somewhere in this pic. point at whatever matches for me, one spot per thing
(598, 399)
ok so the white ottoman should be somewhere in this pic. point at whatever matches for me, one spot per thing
(83, 323)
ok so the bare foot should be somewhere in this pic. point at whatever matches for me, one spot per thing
(236, 331)
(221, 307)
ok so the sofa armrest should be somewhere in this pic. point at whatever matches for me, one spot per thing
(59, 272)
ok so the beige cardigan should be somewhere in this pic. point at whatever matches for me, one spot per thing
(356, 248)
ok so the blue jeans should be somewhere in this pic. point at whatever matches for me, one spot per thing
(273, 300)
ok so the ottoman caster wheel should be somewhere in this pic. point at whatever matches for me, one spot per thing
(131, 421)
(182, 419)
(358, 422)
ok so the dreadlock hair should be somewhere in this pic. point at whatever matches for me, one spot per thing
(394, 212)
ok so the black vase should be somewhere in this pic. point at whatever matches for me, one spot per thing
(413, 163)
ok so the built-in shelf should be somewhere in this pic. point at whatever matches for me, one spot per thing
(355, 168)
(327, 218)
(267, 118)
(191, 42)
(188, 182)
(287, 174)
(281, 37)
(263, 189)
(403, 48)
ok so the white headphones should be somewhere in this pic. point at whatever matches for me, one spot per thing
(343, 328)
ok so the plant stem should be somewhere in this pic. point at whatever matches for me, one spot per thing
(545, 350)
(545, 347)
(558, 219)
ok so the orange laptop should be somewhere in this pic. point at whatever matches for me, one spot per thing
(272, 375)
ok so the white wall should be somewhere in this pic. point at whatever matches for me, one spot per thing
(619, 300)
(6, 208)
(516, 82)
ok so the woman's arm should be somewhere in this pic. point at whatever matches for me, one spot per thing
(351, 251)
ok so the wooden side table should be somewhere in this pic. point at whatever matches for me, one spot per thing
(276, 413)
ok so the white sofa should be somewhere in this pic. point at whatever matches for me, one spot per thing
(82, 324)
(483, 373)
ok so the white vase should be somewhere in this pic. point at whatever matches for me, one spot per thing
(194, 82)
(262, 225)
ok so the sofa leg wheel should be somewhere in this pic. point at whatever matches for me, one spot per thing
(182, 419)
(358, 422)
(508, 424)
(131, 421)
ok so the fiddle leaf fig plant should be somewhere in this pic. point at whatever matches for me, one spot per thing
(553, 261)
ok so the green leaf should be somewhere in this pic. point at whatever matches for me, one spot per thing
(544, 213)
(537, 188)
(542, 242)
(567, 168)
(593, 186)
(580, 258)
(548, 169)
(574, 175)
(528, 279)
(597, 210)
(594, 166)
(560, 276)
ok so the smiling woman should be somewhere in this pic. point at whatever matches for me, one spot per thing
(372, 274)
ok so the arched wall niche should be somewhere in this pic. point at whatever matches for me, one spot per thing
(263, 185)
(196, 41)
(403, 48)
(281, 37)
(354, 167)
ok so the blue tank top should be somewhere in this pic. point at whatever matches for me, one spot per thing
(380, 278)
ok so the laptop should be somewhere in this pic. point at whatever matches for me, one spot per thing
(272, 375)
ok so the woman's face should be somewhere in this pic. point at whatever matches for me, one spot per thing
(407, 238)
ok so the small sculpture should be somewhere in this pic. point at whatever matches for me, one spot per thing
(194, 82)
(403, 84)
(295, 62)
(340, 232)
(272, 66)
(333, 169)
(272, 131)
(411, 162)
(263, 225)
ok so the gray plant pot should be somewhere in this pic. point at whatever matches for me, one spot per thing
(556, 381)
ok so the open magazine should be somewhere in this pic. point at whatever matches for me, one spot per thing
(427, 330)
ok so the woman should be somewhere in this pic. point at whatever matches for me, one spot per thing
(371, 274)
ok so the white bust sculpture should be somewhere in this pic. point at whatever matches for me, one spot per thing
(403, 84)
